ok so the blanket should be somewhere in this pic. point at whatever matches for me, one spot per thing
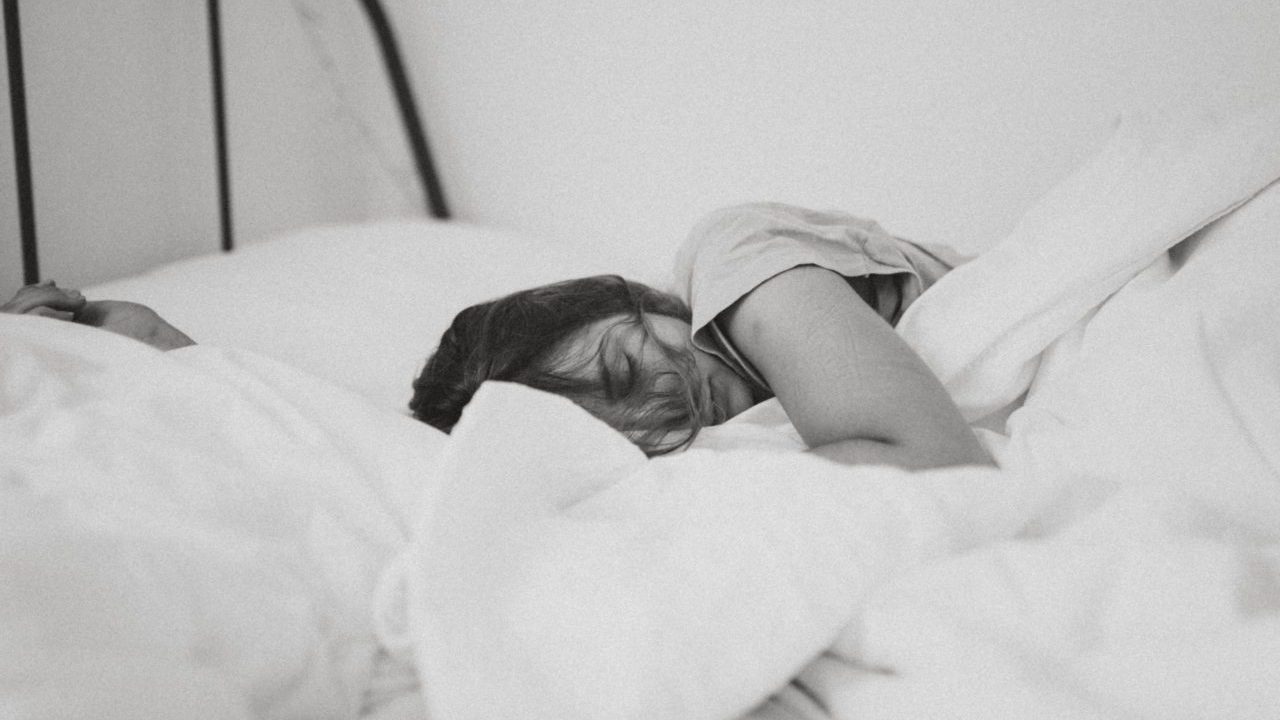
(1124, 561)
(192, 534)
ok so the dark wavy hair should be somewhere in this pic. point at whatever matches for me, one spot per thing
(525, 338)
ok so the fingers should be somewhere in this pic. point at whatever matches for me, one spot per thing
(38, 299)
(51, 313)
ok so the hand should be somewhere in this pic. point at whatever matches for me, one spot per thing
(132, 320)
(45, 299)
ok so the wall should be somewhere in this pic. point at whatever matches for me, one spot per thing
(120, 111)
(617, 120)
(315, 135)
(119, 180)
(625, 121)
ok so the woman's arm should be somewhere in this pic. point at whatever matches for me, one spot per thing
(133, 320)
(853, 388)
(123, 318)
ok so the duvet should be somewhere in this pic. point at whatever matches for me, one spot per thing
(211, 533)
(1122, 351)
(191, 534)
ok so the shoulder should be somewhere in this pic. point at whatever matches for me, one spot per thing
(761, 222)
(741, 232)
(767, 236)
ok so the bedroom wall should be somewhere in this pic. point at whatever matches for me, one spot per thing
(315, 135)
(114, 97)
(120, 113)
(622, 121)
(625, 121)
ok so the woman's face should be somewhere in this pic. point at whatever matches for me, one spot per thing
(624, 346)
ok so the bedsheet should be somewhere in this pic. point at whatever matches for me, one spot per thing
(1123, 561)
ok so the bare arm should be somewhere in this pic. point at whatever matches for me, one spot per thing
(853, 388)
(123, 318)
(133, 320)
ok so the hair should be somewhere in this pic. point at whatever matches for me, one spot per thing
(525, 338)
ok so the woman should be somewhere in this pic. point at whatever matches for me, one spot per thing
(786, 302)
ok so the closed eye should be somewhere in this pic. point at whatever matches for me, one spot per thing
(618, 374)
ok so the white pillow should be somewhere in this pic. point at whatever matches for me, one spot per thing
(359, 305)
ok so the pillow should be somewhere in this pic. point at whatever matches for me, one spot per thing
(358, 305)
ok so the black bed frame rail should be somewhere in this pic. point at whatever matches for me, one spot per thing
(21, 144)
(402, 89)
(220, 125)
(396, 73)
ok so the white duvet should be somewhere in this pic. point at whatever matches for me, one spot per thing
(1123, 562)
(212, 534)
(193, 534)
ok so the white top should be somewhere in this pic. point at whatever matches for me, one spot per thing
(733, 250)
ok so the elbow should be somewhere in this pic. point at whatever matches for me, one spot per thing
(915, 454)
(951, 454)
(941, 447)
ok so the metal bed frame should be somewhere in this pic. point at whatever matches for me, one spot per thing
(397, 76)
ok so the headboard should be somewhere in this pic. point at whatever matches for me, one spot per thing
(397, 76)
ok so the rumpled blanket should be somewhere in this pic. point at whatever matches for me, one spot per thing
(193, 534)
(1124, 561)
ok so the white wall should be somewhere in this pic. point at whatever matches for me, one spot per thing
(120, 111)
(314, 133)
(627, 120)
(114, 97)
(618, 120)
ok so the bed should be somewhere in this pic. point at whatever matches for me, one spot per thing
(253, 528)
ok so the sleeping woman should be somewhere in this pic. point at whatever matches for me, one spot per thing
(778, 301)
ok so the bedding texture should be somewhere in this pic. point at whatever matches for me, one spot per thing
(1123, 562)
(193, 534)
(262, 533)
